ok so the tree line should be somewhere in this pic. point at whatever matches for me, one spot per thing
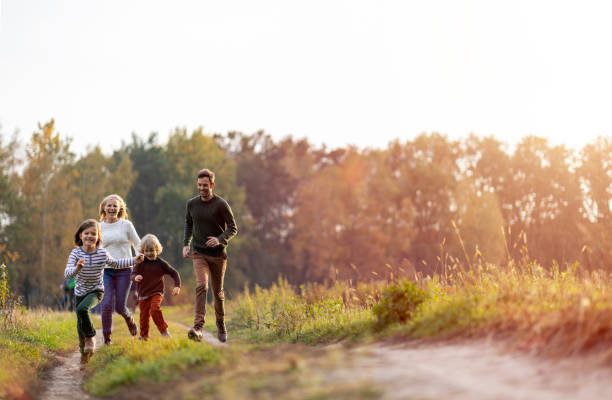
(309, 213)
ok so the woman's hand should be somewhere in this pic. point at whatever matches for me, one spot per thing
(176, 291)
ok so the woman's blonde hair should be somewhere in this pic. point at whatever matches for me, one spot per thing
(122, 214)
(150, 241)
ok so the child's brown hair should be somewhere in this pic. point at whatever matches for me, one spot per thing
(88, 223)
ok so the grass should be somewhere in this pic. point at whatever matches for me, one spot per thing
(556, 311)
(312, 314)
(553, 312)
(28, 347)
(130, 368)
(128, 361)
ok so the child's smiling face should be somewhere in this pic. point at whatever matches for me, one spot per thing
(150, 253)
(89, 236)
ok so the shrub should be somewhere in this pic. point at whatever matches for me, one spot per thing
(9, 303)
(398, 304)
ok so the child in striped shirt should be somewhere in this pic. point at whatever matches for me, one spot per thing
(86, 263)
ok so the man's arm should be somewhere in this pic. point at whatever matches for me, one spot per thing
(187, 232)
(230, 225)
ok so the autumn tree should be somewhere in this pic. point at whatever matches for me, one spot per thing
(350, 220)
(595, 176)
(97, 175)
(54, 212)
(426, 171)
(11, 206)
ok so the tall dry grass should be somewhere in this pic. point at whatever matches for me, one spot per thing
(556, 311)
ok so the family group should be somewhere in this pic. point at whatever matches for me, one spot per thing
(104, 269)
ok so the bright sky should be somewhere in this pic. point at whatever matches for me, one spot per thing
(336, 72)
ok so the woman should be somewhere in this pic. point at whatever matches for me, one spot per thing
(118, 236)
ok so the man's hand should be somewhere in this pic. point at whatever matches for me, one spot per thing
(186, 252)
(137, 278)
(212, 241)
(139, 258)
(176, 291)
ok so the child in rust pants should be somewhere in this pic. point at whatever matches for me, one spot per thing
(150, 277)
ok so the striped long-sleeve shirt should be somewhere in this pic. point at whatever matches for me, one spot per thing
(89, 278)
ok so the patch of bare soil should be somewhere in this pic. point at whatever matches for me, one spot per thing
(477, 371)
(65, 380)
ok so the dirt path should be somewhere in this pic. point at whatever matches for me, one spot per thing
(476, 371)
(65, 381)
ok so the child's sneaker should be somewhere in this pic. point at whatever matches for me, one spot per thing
(90, 345)
(166, 334)
(195, 334)
(84, 359)
(143, 338)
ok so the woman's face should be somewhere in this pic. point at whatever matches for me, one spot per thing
(111, 208)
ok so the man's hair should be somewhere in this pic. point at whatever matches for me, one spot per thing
(88, 223)
(206, 173)
(150, 241)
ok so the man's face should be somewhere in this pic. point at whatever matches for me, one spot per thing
(205, 187)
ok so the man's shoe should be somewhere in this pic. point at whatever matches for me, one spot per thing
(166, 334)
(221, 331)
(107, 338)
(195, 334)
(132, 326)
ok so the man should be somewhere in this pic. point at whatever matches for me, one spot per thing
(210, 223)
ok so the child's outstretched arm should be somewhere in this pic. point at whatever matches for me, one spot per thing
(74, 265)
(122, 263)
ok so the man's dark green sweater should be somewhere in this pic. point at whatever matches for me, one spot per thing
(209, 218)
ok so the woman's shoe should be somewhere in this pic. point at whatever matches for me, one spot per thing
(132, 326)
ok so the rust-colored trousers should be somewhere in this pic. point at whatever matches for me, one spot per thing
(151, 307)
(205, 267)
